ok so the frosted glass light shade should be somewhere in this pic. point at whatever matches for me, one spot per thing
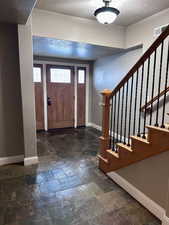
(106, 15)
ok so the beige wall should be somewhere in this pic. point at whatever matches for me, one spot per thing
(142, 32)
(53, 25)
(84, 30)
(11, 131)
(27, 88)
(150, 176)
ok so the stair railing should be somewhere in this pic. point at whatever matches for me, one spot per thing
(122, 114)
(145, 107)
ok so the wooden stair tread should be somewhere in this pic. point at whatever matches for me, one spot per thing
(103, 159)
(158, 128)
(128, 148)
(140, 139)
(167, 126)
(115, 154)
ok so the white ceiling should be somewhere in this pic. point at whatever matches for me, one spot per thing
(131, 10)
(69, 49)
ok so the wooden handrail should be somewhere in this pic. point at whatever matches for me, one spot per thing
(155, 98)
(140, 62)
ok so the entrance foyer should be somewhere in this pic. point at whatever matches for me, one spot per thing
(66, 188)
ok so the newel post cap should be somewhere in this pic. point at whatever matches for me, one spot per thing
(106, 92)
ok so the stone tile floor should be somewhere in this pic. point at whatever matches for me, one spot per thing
(66, 188)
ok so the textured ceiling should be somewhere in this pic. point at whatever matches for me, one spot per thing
(15, 11)
(131, 10)
(69, 49)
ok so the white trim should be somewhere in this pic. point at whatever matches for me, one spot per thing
(30, 161)
(60, 63)
(152, 206)
(11, 160)
(75, 97)
(165, 220)
(75, 65)
(87, 95)
(45, 98)
(97, 127)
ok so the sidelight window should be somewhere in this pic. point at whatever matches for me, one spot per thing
(37, 75)
(81, 76)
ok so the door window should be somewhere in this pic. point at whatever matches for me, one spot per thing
(60, 75)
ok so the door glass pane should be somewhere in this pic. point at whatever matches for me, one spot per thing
(60, 75)
(37, 74)
(81, 76)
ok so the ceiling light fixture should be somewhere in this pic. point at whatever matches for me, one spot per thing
(106, 14)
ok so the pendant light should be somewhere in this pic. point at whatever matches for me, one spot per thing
(106, 14)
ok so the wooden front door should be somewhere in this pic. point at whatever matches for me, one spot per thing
(39, 98)
(81, 96)
(60, 92)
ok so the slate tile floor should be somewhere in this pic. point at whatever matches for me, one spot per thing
(66, 188)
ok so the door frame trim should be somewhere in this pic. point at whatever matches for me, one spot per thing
(75, 65)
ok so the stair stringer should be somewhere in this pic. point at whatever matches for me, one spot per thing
(157, 142)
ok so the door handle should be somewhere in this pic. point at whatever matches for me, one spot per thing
(49, 101)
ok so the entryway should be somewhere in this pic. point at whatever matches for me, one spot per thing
(66, 187)
(61, 95)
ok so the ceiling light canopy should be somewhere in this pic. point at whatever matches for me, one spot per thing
(106, 14)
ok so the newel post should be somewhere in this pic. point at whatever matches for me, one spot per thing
(105, 138)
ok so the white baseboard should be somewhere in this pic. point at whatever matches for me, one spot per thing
(97, 127)
(11, 160)
(30, 161)
(165, 220)
(17, 159)
(152, 206)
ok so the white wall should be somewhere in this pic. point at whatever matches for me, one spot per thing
(53, 25)
(142, 32)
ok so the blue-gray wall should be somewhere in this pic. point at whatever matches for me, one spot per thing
(107, 73)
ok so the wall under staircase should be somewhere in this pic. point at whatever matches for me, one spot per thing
(150, 177)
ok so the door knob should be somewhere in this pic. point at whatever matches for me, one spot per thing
(49, 101)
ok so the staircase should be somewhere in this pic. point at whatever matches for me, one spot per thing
(134, 125)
